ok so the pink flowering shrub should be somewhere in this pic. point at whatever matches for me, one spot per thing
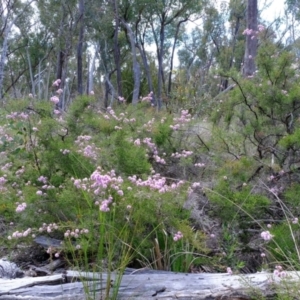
(93, 177)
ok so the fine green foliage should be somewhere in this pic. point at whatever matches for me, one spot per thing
(90, 177)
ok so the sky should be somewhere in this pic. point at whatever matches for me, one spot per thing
(275, 9)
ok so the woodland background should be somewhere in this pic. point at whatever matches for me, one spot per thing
(182, 158)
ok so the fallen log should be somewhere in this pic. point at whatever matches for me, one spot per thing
(141, 285)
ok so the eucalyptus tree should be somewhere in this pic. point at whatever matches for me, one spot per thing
(130, 16)
(195, 59)
(293, 6)
(163, 15)
(10, 11)
(81, 21)
(61, 19)
(27, 59)
(117, 45)
(102, 37)
(251, 38)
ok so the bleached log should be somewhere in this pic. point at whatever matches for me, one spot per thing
(136, 286)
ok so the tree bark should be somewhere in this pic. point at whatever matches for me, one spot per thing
(6, 33)
(80, 47)
(251, 39)
(149, 284)
(172, 55)
(117, 48)
(90, 85)
(141, 47)
(135, 64)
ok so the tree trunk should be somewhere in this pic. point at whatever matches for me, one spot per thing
(150, 284)
(147, 70)
(6, 33)
(79, 48)
(160, 57)
(135, 64)
(172, 55)
(117, 49)
(90, 85)
(251, 39)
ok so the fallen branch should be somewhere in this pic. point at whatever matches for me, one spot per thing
(144, 284)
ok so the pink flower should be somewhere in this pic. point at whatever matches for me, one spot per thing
(56, 82)
(278, 272)
(21, 207)
(177, 236)
(229, 271)
(266, 235)
(54, 99)
(120, 192)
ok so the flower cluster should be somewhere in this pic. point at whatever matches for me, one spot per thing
(184, 153)
(104, 204)
(21, 207)
(149, 125)
(278, 272)
(266, 235)
(64, 151)
(75, 233)
(152, 147)
(148, 98)
(177, 236)
(19, 234)
(195, 185)
(137, 142)
(156, 182)
(248, 31)
(48, 227)
(3, 180)
(5, 168)
(87, 150)
(43, 179)
(54, 99)
(253, 33)
(126, 120)
(184, 118)
(103, 181)
(295, 221)
(20, 171)
(51, 250)
(200, 165)
(99, 183)
(17, 115)
(56, 83)
(112, 113)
